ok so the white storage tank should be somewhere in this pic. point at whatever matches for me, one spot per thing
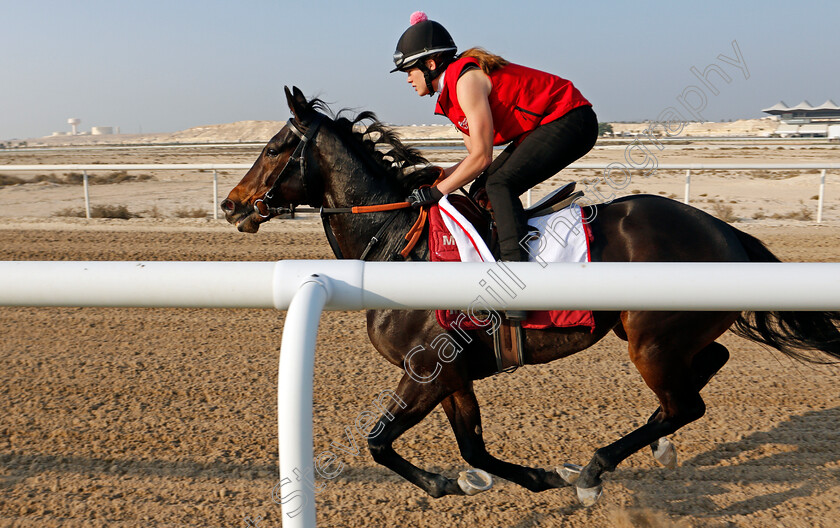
(74, 122)
(101, 130)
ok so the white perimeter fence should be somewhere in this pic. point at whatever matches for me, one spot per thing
(606, 167)
(306, 288)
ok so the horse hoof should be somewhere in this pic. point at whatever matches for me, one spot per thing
(665, 453)
(589, 496)
(569, 472)
(474, 481)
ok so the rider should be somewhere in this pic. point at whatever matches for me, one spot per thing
(546, 120)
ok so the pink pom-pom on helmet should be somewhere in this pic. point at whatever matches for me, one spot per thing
(418, 16)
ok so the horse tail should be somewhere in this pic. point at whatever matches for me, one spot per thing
(796, 334)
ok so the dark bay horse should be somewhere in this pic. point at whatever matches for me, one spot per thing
(332, 163)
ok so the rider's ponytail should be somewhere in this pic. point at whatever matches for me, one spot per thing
(488, 61)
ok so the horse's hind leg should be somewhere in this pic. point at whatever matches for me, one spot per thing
(462, 410)
(668, 373)
(415, 401)
(704, 365)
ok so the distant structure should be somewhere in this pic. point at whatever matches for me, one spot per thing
(74, 122)
(101, 130)
(804, 120)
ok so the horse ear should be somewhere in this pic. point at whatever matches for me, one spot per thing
(297, 102)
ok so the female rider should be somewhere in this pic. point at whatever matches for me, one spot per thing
(546, 120)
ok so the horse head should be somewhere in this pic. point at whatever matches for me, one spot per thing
(279, 178)
(334, 163)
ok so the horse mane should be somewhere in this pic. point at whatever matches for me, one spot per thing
(380, 147)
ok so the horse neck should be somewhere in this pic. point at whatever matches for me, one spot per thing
(351, 180)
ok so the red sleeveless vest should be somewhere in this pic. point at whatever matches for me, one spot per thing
(521, 99)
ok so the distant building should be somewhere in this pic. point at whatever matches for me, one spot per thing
(74, 122)
(804, 120)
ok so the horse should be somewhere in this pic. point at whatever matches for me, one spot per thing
(334, 163)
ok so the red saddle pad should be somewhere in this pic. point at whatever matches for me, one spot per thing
(442, 248)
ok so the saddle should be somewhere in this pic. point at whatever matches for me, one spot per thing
(555, 201)
(508, 338)
(477, 209)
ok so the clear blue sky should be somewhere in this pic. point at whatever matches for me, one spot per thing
(165, 65)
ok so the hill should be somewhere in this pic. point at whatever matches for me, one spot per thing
(262, 131)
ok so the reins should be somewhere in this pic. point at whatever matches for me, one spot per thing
(299, 157)
(411, 238)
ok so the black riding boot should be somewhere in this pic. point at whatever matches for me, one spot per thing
(511, 233)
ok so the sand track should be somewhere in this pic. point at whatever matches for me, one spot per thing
(166, 417)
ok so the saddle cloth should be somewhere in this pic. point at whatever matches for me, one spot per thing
(564, 237)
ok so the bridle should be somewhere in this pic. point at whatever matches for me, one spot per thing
(312, 190)
(298, 157)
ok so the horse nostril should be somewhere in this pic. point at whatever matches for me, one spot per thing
(227, 205)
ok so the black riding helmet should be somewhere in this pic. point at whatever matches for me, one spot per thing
(422, 40)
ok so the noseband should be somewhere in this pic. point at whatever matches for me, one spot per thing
(297, 157)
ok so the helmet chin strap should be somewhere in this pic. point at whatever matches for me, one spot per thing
(427, 76)
(430, 75)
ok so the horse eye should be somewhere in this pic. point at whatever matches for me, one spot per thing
(272, 152)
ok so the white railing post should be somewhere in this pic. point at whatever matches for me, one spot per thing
(87, 194)
(213, 205)
(294, 402)
(687, 185)
(821, 197)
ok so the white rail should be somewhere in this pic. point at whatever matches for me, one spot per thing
(688, 167)
(215, 167)
(306, 288)
(361, 285)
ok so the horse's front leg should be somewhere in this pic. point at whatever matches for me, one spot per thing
(463, 412)
(415, 401)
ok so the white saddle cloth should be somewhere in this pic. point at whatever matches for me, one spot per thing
(562, 236)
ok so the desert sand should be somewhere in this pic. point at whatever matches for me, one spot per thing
(167, 417)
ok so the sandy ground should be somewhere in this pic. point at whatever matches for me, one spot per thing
(166, 417)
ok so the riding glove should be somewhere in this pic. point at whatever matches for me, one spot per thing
(424, 196)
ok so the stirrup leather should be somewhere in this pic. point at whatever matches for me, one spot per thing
(509, 345)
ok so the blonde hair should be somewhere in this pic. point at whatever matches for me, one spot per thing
(488, 61)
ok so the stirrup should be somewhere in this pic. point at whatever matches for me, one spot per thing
(533, 234)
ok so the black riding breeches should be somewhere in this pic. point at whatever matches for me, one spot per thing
(542, 154)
